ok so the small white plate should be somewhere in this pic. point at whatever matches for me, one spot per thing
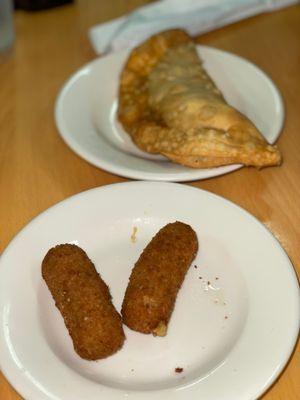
(235, 321)
(86, 107)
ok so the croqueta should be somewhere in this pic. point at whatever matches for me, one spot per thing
(156, 278)
(84, 301)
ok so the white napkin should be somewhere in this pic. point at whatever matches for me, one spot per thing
(196, 16)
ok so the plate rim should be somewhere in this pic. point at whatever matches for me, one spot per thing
(189, 174)
(22, 385)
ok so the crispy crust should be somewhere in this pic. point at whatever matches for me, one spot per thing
(156, 278)
(169, 105)
(84, 301)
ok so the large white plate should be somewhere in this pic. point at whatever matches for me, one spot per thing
(86, 107)
(232, 331)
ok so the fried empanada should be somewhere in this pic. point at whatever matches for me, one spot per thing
(169, 105)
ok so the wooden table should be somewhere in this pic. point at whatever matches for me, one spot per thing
(37, 169)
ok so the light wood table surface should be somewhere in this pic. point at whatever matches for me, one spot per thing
(37, 169)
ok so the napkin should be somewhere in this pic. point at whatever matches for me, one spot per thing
(195, 16)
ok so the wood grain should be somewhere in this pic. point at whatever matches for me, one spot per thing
(37, 169)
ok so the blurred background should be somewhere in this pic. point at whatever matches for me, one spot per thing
(39, 4)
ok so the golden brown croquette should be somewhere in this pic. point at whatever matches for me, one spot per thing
(156, 278)
(84, 301)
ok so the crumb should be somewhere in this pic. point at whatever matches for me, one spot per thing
(200, 277)
(178, 370)
(160, 330)
(195, 266)
(133, 235)
(216, 278)
(208, 282)
(132, 369)
(226, 317)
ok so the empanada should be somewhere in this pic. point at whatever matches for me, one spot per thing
(169, 105)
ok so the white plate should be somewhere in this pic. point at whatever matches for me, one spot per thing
(233, 358)
(86, 107)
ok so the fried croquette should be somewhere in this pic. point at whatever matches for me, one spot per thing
(84, 301)
(156, 278)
